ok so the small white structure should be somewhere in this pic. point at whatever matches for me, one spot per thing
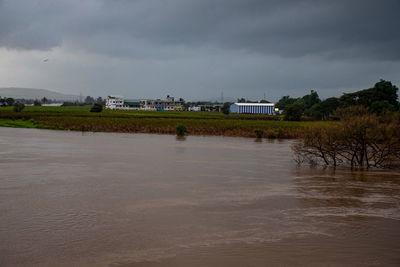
(253, 108)
(114, 102)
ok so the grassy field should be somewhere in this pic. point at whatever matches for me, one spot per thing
(164, 122)
(17, 123)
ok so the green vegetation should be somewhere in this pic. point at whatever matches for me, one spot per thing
(293, 112)
(197, 123)
(366, 135)
(97, 108)
(17, 123)
(259, 133)
(18, 107)
(181, 130)
(299, 116)
(382, 91)
(378, 99)
(37, 103)
(9, 101)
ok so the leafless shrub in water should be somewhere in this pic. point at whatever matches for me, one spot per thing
(359, 140)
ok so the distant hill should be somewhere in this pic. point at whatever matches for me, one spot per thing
(32, 93)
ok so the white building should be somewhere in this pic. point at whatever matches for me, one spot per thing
(158, 104)
(118, 102)
(253, 108)
(114, 102)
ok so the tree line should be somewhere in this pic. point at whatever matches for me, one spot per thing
(366, 135)
(89, 100)
(382, 97)
(19, 104)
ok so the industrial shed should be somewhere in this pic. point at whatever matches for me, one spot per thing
(253, 108)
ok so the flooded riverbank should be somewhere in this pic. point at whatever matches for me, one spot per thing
(101, 199)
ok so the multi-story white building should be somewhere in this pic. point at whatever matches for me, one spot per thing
(118, 102)
(114, 102)
(158, 104)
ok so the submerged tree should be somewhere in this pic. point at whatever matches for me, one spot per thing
(181, 129)
(361, 139)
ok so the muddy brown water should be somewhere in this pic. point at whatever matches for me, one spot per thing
(103, 199)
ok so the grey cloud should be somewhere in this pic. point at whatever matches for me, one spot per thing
(30, 25)
(198, 48)
(331, 29)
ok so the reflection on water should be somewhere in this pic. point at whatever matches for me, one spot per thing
(152, 200)
(180, 138)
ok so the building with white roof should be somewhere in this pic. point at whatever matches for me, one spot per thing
(253, 108)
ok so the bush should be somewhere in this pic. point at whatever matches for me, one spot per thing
(18, 107)
(181, 130)
(258, 133)
(97, 108)
(271, 135)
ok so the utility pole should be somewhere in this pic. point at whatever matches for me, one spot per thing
(222, 97)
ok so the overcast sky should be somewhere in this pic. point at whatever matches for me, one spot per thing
(197, 49)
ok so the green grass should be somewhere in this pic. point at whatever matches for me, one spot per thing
(197, 123)
(17, 123)
(85, 111)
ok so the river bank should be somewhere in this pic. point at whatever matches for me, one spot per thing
(197, 123)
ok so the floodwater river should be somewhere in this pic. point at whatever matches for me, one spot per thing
(103, 199)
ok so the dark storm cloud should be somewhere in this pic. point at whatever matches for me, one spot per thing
(366, 29)
(198, 48)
